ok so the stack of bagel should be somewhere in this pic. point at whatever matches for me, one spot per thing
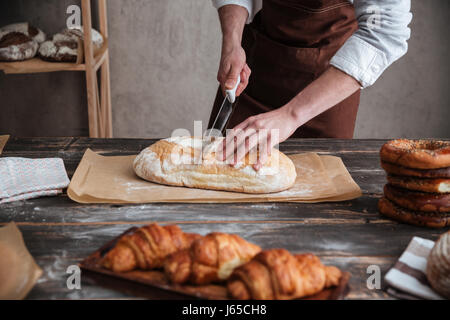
(418, 188)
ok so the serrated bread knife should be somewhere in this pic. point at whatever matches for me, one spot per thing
(222, 117)
(225, 111)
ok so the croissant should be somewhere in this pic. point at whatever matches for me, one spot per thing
(147, 247)
(209, 259)
(277, 274)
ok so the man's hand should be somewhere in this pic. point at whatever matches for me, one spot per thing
(232, 64)
(233, 59)
(262, 131)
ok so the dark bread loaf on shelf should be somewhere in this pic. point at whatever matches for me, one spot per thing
(26, 29)
(19, 41)
(67, 45)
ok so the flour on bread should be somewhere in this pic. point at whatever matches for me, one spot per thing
(48, 49)
(64, 45)
(19, 41)
(25, 28)
(175, 161)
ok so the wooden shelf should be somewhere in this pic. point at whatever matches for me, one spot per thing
(37, 65)
(99, 99)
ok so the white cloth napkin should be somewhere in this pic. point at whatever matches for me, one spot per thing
(22, 178)
(408, 276)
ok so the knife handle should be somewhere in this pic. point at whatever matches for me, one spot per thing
(231, 93)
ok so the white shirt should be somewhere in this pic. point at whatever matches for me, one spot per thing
(380, 40)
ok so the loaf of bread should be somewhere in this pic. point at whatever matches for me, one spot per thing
(66, 45)
(19, 41)
(184, 161)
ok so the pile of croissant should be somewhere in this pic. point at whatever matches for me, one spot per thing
(249, 272)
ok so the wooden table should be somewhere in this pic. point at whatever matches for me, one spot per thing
(351, 235)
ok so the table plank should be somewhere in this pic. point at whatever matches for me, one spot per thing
(326, 239)
(63, 210)
(81, 143)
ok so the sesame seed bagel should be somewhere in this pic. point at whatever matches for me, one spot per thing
(418, 173)
(417, 154)
(437, 185)
(418, 201)
(422, 219)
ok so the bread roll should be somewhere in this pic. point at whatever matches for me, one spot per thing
(19, 41)
(15, 46)
(438, 266)
(179, 161)
(64, 46)
(26, 29)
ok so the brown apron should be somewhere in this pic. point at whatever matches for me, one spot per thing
(288, 45)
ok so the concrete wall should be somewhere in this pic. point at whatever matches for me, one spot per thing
(167, 78)
(164, 59)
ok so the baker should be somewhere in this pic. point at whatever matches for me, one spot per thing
(308, 60)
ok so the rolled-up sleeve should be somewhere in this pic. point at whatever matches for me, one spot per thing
(380, 40)
(252, 6)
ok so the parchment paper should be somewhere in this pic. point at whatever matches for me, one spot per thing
(346, 187)
(18, 271)
(3, 140)
(100, 179)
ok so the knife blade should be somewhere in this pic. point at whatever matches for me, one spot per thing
(225, 110)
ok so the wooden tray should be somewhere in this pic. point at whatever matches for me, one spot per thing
(155, 281)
